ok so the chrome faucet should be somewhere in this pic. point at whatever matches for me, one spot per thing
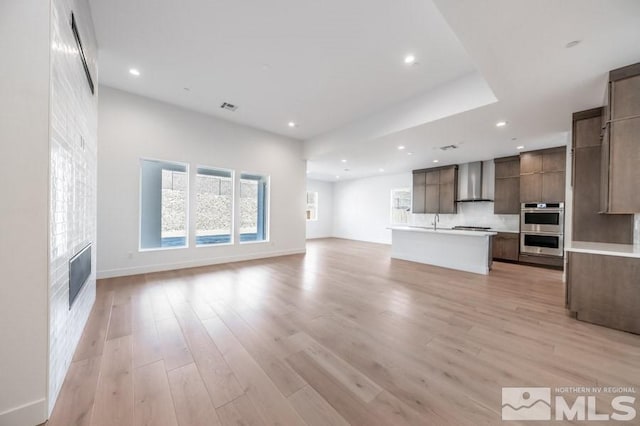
(436, 219)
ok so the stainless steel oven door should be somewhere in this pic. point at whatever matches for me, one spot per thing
(542, 220)
(541, 243)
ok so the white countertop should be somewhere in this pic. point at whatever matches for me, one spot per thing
(443, 231)
(506, 231)
(606, 249)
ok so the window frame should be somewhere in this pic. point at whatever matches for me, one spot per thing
(391, 209)
(316, 205)
(233, 207)
(266, 204)
(186, 165)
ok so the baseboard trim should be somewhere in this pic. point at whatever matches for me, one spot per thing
(33, 413)
(147, 269)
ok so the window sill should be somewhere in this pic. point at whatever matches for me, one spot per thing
(254, 242)
(215, 245)
(141, 250)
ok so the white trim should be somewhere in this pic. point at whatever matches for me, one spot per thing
(253, 242)
(215, 244)
(112, 273)
(143, 250)
(32, 413)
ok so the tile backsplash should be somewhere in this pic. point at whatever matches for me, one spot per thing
(72, 192)
(636, 230)
(471, 214)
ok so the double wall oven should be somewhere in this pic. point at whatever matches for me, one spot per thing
(542, 229)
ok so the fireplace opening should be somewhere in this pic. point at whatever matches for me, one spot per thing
(79, 272)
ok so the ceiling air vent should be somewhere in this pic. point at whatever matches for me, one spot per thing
(228, 106)
(448, 147)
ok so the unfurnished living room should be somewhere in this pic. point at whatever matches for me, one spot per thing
(335, 212)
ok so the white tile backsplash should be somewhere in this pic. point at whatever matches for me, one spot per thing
(471, 214)
(73, 171)
(636, 230)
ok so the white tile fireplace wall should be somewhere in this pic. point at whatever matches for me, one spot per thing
(73, 170)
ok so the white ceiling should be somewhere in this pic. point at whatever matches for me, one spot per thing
(336, 68)
(321, 64)
(519, 48)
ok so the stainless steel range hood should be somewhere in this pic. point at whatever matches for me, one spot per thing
(474, 182)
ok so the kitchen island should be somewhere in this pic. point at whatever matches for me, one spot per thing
(462, 250)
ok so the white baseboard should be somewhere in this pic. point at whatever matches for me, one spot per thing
(146, 269)
(31, 414)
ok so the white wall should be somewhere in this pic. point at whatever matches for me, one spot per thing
(73, 169)
(24, 129)
(362, 207)
(131, 127)
(323, 227)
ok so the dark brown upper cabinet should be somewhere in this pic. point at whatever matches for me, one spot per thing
(417, 196)
(620, 156)
(437, 193)
(588, 223)
(542, 175)
(507, 185)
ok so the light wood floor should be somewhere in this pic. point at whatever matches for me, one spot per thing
(342, 335)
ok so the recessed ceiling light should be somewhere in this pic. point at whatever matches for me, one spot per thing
(401, 147)
(337, 176)
(381, 170)
(409, 153)
(307, 171)
(520, 147)
(572, 44)
(409, 59)
(436, 161)
(501, 123)
(134, 71)
(344, 160)
(292, 124)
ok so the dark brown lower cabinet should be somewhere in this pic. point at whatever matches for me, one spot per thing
(506, 246)
(605, 290)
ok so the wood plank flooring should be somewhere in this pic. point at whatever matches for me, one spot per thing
(342, 335)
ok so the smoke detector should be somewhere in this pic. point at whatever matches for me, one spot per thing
(228, 106)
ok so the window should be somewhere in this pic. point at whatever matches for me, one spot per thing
(400, 205)
(214, 206)
(163, 204)
(312, 206)
(253, 207)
